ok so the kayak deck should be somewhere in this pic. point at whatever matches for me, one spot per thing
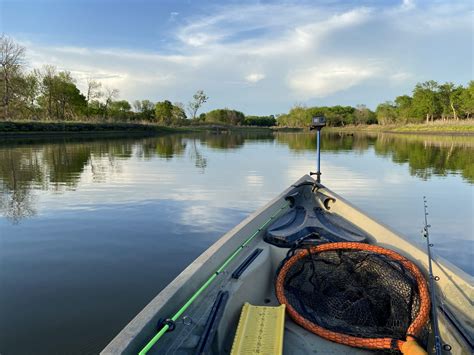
(255, 286)
(251, 253)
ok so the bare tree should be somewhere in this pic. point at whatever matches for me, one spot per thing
(199, 98)
(12, 56)
(110, 95)
(137, 106)
(93, 92)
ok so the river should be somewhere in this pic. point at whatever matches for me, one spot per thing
(92, 229)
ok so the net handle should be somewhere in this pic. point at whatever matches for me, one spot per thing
(369, 343)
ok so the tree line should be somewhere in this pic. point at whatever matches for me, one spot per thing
(300, 116)
(430, 101)
(48, 94)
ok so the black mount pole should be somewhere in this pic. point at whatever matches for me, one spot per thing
(317, 123)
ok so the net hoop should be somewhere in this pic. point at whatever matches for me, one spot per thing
(368, 343)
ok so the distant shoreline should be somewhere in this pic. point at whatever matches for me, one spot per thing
(451, 128)
(54, 128)
(31, 129)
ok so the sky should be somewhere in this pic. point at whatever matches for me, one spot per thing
(259, 57)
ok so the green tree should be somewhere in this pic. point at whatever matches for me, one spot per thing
(120, 110)
(339, 115)
(426, 100)
(226, 116)
(109, 95)
(178, 113)
(70, 102)
(260, 121)
(404, 108)
(145, 110)
(96, 108)
(299, 117)
(199, 98)
(386, 113)
(467, 99)
(48, 90)
(363, 115)
(24, 106)
(164, 112)
(450, 99)
(61, 98)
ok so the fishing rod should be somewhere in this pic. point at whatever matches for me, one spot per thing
(169, 323)
(433, 278)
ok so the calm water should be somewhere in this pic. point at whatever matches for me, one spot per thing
(91, 230)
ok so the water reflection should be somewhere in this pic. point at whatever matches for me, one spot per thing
(107, 216)
(19, 169)
(59, 166)
(426, 155)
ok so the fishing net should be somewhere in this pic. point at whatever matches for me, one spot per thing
(355, 294)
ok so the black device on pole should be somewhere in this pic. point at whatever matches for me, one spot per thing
(317, 123)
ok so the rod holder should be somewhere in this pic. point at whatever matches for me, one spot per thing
(317, 123)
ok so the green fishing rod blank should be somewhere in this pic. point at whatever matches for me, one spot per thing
(207, 283)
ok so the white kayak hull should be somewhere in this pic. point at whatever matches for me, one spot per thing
(455, 288)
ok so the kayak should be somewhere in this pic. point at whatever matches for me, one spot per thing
(268, 286)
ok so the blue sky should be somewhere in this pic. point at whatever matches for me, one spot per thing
(260, 57)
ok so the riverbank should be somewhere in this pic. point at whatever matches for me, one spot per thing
(58, 129)
(29, 128)
(465, 127)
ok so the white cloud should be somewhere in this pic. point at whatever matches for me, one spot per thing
(173, 15)
(254, 77)
(303, 52)
(326, 79)
(408, 4)
(400, 77)
(253, 179)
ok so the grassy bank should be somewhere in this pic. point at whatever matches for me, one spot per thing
(221, 127)
(33, 128)
(60, 128)
(446, 127)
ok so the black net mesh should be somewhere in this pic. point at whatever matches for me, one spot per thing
(354, 292)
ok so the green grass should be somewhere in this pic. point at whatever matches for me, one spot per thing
(41, 128)
(438, 127)
(32, 127)
(448, 127)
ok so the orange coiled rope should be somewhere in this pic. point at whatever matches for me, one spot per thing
(369, 343)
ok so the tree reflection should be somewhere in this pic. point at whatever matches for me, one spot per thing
(17, 204)
(427, 156)
(233, 140)
(195, 154)
(28, 167)
(19, 170)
